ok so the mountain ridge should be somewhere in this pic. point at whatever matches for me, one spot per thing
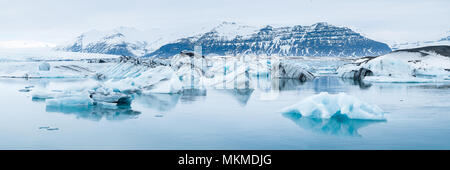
(230, 38)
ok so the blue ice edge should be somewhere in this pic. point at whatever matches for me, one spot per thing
(334, 114)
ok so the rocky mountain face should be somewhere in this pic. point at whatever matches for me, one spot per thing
(320, 39)
(229, 38)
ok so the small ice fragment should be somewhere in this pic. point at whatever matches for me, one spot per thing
(159, 115)
(52, 128)
(44, 127)
(24, 90)
(44, 66)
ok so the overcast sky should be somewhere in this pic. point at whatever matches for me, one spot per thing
(56, 21)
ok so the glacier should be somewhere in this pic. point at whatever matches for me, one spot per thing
(428, 64)
(326, 106)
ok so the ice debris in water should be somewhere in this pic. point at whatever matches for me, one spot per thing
(48, 128)
(24, 90)
(107, 95)
(44, 66)
(325, 106)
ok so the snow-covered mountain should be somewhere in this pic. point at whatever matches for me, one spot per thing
(320, 39)
(229, 38)
(120, 41)
(445, 40)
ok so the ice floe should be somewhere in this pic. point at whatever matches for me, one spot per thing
(292, 70)
(326, 106)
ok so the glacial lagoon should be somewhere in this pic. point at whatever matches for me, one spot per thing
(417, 117)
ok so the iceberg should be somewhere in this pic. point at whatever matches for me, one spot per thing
(128, 77)
(292, 70)
(427, 64)
(106, 95)
(70, 101)
(326, 106)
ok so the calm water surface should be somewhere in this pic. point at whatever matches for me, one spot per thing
(418, 117)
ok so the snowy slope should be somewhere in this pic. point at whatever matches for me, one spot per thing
(229, 38)
(445, 40)
(320, 39)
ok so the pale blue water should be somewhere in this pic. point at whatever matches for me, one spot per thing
(418, 117)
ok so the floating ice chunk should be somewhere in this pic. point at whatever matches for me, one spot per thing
(45, 94)
(44, 66)
(51, 129)
(326, 105)
(292, 70)
(24, 90)
(161, 79)
(106, 95)
(70, 101)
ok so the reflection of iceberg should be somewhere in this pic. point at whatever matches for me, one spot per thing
(360, 83)
(160, 102)
(241, 95)
(336, 125)
(96, 112)
(189, 95)
(327, 84)
(286, 84)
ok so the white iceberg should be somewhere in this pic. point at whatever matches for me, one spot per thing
(108, 96)
(128, 77)
(70, 101)
(325, 106)
(291, 70)
(409, 66)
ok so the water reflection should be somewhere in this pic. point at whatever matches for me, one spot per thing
(190, 95)
(362, 85)
(328, 84)
(167, 102)
(159, 102)
(286, 84)
(241, 95)
(336, 125)
(433, 86)
(97, 112)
